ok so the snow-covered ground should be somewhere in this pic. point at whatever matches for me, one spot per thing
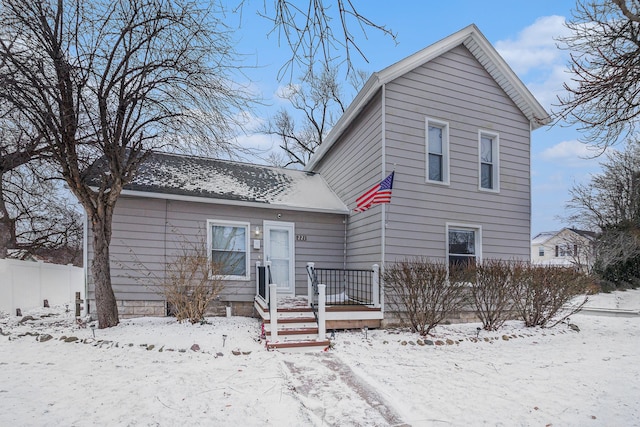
(145, 373)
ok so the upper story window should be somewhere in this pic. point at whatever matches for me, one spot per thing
(437, 151)
(228, 246)
(541, 251)
(489, 165)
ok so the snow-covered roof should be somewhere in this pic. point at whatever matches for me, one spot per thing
(543, 237)
(185, 177)
(484, 52)
(540, 238)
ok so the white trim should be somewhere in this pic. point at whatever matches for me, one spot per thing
(445, 150)
(495, 153)
(464, 226)
(196, 199)
(291, 228)
(486, 54)
(212, 222)
(383, 217)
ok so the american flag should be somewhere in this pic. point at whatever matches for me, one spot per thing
(380, 193)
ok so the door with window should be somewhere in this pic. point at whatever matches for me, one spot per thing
(279, 249)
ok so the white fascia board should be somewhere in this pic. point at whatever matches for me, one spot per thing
(209, 200)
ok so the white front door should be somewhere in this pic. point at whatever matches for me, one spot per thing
(279, 248)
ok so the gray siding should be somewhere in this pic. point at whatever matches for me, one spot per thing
(146, 231)
(351, 167)
(454, 88)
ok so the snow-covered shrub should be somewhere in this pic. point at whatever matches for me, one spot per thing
(424, 292)
(546, 295)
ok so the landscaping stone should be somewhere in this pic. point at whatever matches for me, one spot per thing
(195, 347)
(71, 339)
(44, 338)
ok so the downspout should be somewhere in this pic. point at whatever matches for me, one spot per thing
(530, 190)
(383, 151)
(383, 218)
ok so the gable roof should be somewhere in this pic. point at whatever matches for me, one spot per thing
(545, 236)
(201, 179)
(480, 48)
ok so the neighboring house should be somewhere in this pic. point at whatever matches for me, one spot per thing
(453, 121)
(568, 247)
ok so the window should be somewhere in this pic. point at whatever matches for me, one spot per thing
(489, 166)
(437, 151)
(566, 250)
(228, 243)
(541, 251)
(463, 244)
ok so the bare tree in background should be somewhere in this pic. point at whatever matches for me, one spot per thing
(604, 95)
(610, 205)
(112, 80)
(34, 219)
(320, 99)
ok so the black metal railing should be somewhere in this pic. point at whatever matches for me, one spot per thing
(346, 287)
(264, 280)
(313, 277)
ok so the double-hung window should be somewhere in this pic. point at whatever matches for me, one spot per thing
(489, 165)
(463, 244)
(437, 151)
(228, 245)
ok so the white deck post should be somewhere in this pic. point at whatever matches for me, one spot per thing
(273, 311)
(322, 318)
(375, 283)
(310, 284)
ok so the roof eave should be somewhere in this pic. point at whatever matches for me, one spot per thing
(211, 200)
(537, 116)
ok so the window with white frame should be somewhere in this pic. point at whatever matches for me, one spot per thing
(228, 244)
(437, 151)
(541, 251)
(463, 244)
(489, 165)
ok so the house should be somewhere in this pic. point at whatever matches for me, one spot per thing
(568, 247)
(453, 122)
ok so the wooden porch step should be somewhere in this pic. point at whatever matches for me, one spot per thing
(297, 331)
(289, 320)
(299, 346)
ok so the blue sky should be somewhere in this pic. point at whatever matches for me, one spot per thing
(522, 31)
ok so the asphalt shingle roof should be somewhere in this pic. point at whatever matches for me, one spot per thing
(191, 176)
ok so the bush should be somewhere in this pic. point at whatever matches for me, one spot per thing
(541, 294)
(491, 292)
(191, 282)
(424, 292)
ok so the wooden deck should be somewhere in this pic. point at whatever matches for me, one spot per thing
(339, 316)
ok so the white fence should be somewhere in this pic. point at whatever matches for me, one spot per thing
(26, 284)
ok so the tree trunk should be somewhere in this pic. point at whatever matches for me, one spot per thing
(5, 238)
(106, 306)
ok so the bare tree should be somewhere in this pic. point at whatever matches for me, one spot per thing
(604, 95)
(40, 219)
(32, 217)
(611, 197)
(321, 100)
(308, 29)
(610, 205)
(111, 81)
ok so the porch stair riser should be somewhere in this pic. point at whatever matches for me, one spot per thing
(297, 330)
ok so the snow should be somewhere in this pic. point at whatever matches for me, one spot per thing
(514, 376)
